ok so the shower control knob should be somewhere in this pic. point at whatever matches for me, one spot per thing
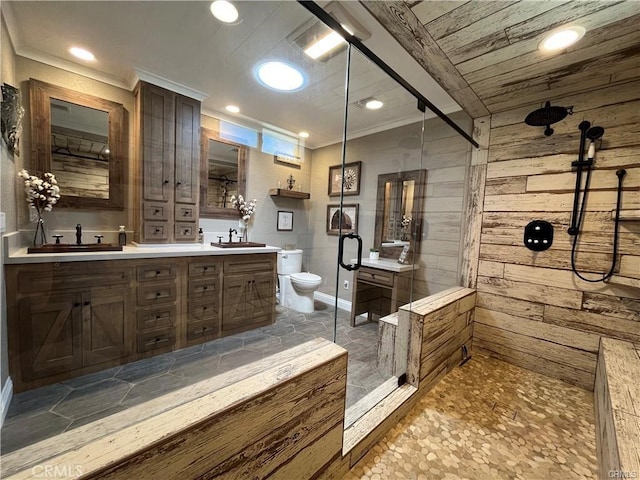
(538, 235)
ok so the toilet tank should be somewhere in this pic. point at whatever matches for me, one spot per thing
(289, 261)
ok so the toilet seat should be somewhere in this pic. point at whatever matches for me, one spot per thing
(306, 279)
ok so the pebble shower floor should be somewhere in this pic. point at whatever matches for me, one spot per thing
(489, 420)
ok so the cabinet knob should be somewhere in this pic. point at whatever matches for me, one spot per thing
(157, 230)
(179, 183)
(158, 294)
(158, 317)
(165, 182)
(157, 339)
(156, 211)
(205, 268)
(204, 308)
(205, 288)
(76, 304)
(157, 272)
(86, 303)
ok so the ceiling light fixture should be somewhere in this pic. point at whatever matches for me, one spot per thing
(82, 54)
(224, 11)
(280, 76)
(373, 104)
(232, 109)
(324, 45)
(304, 134)
(562, 38)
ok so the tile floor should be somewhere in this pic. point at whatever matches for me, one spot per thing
(41, 413)
(489, 420)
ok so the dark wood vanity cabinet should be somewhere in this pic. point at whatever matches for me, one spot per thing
(168, 162)
(248, 297)
(67, 318)
(70, 319)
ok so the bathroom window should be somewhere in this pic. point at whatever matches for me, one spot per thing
(278, 144)
(238, 134)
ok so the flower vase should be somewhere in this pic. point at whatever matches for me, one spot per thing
(40, 237)
(243, 229)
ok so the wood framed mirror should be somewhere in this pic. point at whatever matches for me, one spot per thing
(399, 210)
(81, 139)
(222, 175)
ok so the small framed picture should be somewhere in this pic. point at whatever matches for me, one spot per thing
(285, 221)
(349, 215)
(351, 181)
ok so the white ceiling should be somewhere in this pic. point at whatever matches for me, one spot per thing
(181, 42)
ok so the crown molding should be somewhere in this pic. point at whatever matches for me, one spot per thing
(137, 74)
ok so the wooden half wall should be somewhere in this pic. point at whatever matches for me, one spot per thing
(531, 309)
(286, 422)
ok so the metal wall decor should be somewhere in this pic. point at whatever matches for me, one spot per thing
(12, 114)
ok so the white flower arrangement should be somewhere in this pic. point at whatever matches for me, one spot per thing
(406, 221)
(245, 209)
(42, 193)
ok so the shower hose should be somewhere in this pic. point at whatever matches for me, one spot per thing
(620, 174)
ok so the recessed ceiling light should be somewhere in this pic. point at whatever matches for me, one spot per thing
(373, 104)
(232, 109)
(224, 11)
(82, 54)
(562, 38)
(280, 76)
(304, 134)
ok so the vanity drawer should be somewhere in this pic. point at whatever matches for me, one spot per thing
(157, 317)
(156, 230)
(156, 293)
(156, 272)
(249, 264)
(185, 231)
(70, 275)
(203, 288)
(185, 213)
(159, 339)
(202, 310)
(155, 211)
(204, 269)
(202, 330)
(379, 277)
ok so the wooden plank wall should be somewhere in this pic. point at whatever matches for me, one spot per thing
(617, 408)
(531, 309)
(284, 423)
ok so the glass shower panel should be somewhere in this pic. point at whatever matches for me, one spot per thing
(382, 194)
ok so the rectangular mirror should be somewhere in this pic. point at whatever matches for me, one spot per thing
(222, 175)
(81, 140)
(399, 211)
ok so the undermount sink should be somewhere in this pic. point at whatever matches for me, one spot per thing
(237, 244)
(72, 247)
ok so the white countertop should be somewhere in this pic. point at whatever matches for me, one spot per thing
(130, 252)
(388, 265)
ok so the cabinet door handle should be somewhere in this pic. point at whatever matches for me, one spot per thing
(87, 303)
(157, 230)
(205, 288)
(158, 294)
(157, 210)
(158, 316)
(166, 181)
(205, 268)
(76, 304)
(179, 183)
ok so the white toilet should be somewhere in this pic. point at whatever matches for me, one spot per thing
(296, 288)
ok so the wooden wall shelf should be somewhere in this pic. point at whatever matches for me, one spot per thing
(282, 192)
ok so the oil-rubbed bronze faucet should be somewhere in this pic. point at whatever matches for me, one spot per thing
(231, 232)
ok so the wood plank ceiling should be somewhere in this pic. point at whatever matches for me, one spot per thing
(485, 53)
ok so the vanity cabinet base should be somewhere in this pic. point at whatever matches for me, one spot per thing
(84, 317)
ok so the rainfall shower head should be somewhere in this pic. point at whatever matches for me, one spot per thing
(547, 115)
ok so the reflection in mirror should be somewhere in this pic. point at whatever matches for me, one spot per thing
(222, 160)
(81, 140)
(399, 211)
(222, 175)
(80, 149)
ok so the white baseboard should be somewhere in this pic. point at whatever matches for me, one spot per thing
(331, 300)
(7, 394)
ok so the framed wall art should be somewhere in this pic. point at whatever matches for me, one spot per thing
(285, 221)
(351, 179)
(349, 219)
